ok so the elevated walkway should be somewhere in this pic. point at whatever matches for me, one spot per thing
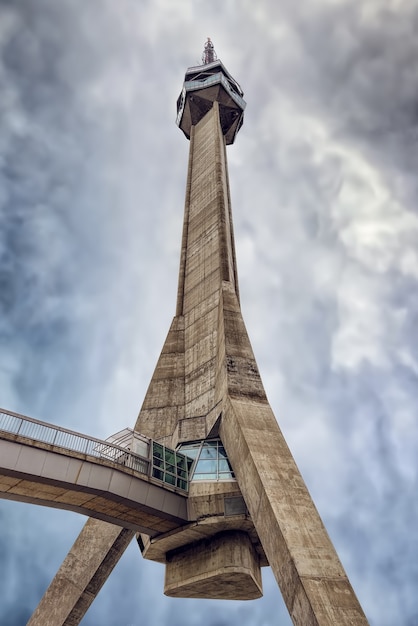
(128, 480)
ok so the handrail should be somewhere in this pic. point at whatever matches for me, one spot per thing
(29, 428)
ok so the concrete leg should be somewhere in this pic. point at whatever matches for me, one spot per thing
(313, 582)
(82, 574)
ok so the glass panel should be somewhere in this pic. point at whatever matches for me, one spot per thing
(206, 467)
(180, 461)
(157, 450)
(226, 475)
(171, 480)
(222, 452)
(140, 447)
(208, 453)
(211, 461)
(204, 476)
(191, 452)
(170, 457)
(158, 474)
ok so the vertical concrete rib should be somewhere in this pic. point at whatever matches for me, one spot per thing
(231, 225)
(181, 392)
(182, 271)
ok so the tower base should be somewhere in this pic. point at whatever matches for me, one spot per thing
(224, 567)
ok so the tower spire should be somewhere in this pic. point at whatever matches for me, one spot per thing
(209, 54)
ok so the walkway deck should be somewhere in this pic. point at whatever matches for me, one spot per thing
(43, 464)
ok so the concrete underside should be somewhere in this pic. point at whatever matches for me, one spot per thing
(214, 507)
(224, 567)
(43, 474)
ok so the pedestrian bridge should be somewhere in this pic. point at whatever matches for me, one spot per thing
(128, 480)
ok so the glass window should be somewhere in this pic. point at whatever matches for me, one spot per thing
(170, 479)
(158, 473)
(208, 453)
(222, 452)
(206, 466)
(224, 465)
(211, 461)
(204, 477)
(170, 467)
(157, 450)
(191, 451)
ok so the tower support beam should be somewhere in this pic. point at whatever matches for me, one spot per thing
(311, 577)
(314, 585)
(82, 574)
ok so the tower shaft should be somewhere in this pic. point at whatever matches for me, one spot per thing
(180, 404)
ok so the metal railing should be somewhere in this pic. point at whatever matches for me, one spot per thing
(35, 430)
(219, 78)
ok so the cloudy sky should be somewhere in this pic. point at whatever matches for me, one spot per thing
(325, 196)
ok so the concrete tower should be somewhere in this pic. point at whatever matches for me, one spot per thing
(248, 505)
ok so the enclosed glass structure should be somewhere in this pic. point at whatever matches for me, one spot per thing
(173, 468)
(210, 460)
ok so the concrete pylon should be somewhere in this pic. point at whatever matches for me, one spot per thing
(206, 395)
(82, 574)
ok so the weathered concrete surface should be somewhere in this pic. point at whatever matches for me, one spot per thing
(225, 567)
(182, 391)
(221, 372)
(214, 507)
(207, 260)
(81, 576)
(163, 406)
(312, 580)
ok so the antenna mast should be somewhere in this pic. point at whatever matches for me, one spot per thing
(209, 54)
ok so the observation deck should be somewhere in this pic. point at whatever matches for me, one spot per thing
(204, 85)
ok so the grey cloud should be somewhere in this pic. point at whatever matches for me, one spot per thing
(92, 190)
